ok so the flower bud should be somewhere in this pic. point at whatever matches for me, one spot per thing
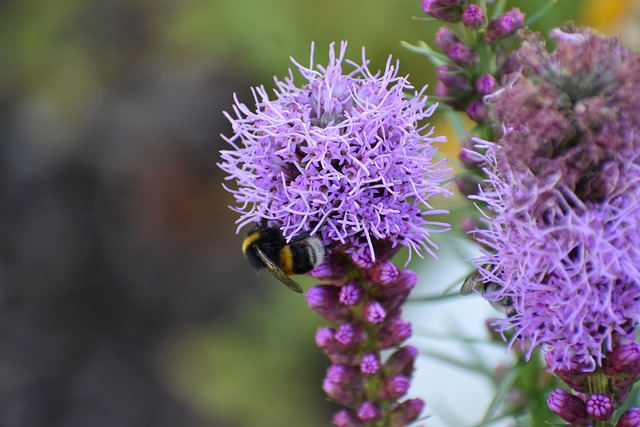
(567, 406)
(345, 418)
(350, 335)
(624, 359)
(370, 364)
(394, 386)
(407, 412)
(368, 411)
(504, 25)
(445, 38)
(324, 300)
(473, 16)
(600, 406)
(461, 55)
(454, 78)
(373, 312)
(478, 111)
(384, 273)
(343, 384)
(402, 361)
(630, 418)
(444, 10)
(485, 84)
(351, 294)
(394, 332)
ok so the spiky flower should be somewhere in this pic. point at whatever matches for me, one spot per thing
(341, 155)
(564, 185)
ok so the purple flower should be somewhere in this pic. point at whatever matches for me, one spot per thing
(342, 156)
(562, 243)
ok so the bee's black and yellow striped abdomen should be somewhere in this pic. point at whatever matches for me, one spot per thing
(267, 248)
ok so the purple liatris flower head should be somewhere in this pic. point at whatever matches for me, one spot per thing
(563, 187)
(342, 155)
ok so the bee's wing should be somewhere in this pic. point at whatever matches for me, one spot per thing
(470, 283)
(278, 273)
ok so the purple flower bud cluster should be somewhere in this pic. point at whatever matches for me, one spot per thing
(580, 409)
(563, 186)
(364, 305)
(465, 81)
(477, 61)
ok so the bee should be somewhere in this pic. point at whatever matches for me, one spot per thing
(475, 282)
(266, 247)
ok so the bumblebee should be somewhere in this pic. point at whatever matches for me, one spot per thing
(475, 282)
(266, 247)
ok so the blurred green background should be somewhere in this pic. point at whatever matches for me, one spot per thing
(124, 296)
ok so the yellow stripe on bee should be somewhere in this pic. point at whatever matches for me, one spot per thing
(250, 240)
(286, 260)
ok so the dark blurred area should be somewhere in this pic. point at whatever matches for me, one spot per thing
(124, 297)
(113, 231)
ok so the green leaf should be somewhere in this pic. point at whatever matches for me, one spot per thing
(424, 49)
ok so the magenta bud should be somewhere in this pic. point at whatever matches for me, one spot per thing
(394, 332)
(478, 111)
(370, 364)
(384, 273)
(368, 411)
(343, 384)
(630, 418)
(402, 361)
(394, 387)
(351, 294)
(444, 10)
(454, 79)
(345, 418)
(324, 300)
(325, 337)
(350, 335)
(504, 25)
(485, 84)
(373, 312)
(441, 90)
(624, 359)
(445, 38)
(600, 406)
(407, 412)
(567, 406)
(461, 54)
(473, 16)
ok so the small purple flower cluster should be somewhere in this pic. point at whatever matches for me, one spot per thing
(563, 186)
(363, 300)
